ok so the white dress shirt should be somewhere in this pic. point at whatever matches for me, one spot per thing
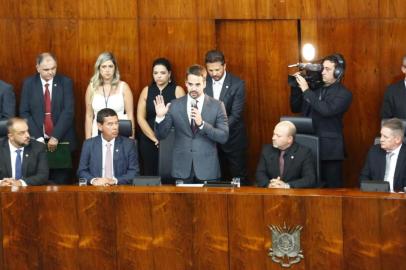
(104, 144)
(217, 86)
(13, 156)
(200, 102)
(392, 166)
(104, 150)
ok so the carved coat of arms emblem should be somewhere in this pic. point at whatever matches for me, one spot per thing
(285, 245)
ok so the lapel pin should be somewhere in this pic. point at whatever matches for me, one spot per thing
(26, 155)
(116, 150)
(226, 86)
(292, 157)
(55, 84)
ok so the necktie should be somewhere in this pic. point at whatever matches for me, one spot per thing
(281, 163)
(108, 164)
(387, 165)
(18, 167)
(48, 125)
(193, 125)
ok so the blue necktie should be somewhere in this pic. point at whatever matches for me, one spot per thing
(18, 174)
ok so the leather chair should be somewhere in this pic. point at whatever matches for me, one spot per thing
(165, 158)
(3, 128)
(305, 136)
(125, 128)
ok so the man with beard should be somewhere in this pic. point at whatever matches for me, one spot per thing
(284, 163)
(200, 122)
(229, 89)
(23, 161)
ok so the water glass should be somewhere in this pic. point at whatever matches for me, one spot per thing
(82, 182)
(236, 181)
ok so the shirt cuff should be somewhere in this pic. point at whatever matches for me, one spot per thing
(41, 139)
(202, 125)
(23, 183)
(159, 119)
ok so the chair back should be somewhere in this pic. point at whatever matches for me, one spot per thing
(165, 158)
(3, 128)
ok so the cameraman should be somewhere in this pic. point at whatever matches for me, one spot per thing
(326, 106)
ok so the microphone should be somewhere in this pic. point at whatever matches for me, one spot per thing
(308, 66)
(193, 104)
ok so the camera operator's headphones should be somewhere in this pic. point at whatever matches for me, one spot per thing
(339, 61)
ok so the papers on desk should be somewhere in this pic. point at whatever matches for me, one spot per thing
(190, 185)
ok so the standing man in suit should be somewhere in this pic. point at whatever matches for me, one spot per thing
(284, 163)
(200, 122)
(229, 89)
(394, 103)
(326, 106)
(387, 161)
(23, 161)
(7, 101)
(108, 159)
(47, 102)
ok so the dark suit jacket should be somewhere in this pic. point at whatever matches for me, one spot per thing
(62, 107)
(394, 101)
(199, 149)
(35, 163)
(125, 160)
(233, 96)
(299, 168)
(374, 167)
(7, 101)
(326, 106)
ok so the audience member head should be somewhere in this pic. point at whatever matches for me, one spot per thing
(195, 80)
(161, 72)
(46, 65)
(105, 71)
(392, 134)
(215, 64)
(107, 123)
(18, 134)
(283, 135)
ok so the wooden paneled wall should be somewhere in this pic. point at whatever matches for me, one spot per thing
(259, 37)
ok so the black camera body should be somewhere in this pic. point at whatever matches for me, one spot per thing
(313, 77)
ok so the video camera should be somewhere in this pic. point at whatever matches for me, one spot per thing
(311, 72)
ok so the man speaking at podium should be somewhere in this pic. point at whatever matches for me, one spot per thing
(200, 122)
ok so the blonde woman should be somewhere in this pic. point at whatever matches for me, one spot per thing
(105, 90)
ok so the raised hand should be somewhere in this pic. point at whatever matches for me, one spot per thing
(160, 108)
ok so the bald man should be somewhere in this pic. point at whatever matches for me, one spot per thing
(284, 163)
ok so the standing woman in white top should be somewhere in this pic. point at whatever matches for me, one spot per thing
(105, 90)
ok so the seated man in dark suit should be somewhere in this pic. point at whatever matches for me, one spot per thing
(285, 164)
(108, 159)
(395, 98)
(23, 161)
(387, 161)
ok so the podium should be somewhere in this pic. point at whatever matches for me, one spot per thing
(125, 227)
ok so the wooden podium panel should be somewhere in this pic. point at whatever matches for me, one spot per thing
(197, 228)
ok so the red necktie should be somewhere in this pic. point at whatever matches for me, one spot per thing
(49, 126)
(281, 163)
